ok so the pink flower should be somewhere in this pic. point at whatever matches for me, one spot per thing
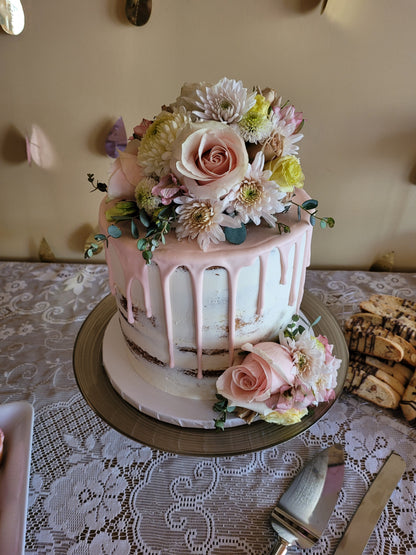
(265, 371)
(210, 157)
(168, 188)
(141, 129)
(125, 173)
(289, 116)
(329, 357)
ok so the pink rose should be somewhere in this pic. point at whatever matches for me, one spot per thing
(125, 173)
(210, 158)
(266, 370)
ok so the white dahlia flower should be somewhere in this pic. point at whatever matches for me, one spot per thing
(227, 101)
(155, 148)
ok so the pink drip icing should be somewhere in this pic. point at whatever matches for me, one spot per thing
(197, 290)
(196, 262)
(130, 316)
(264, 258)
(307, 261)
(232, 294)
(292, 294)
(165, 273)
(284, 256)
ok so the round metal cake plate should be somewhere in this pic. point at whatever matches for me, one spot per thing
(100, 395)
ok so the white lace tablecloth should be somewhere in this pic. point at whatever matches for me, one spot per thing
(92, 490)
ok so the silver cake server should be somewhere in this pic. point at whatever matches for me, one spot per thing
(304, 509)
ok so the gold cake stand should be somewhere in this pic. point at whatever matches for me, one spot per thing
(100, 395)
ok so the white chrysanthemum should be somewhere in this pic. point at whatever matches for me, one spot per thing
(227, 101)
(144, 197)
(155, 148)
(309, 356)
(256, 197)
(202, 220)
(284, 133)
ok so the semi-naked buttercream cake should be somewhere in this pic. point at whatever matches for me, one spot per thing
(207, 232)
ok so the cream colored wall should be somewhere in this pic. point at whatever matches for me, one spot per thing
(79, 65)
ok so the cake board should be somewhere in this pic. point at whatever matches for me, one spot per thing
(121, 415)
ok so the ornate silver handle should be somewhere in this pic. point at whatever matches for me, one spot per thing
(280, 547)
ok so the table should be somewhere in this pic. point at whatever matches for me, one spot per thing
(92, 490)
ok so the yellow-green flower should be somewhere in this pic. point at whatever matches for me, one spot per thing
(255, 125)
(290, 416)
(261, 106)
(121, 210)
(286, 172)
(144, 197)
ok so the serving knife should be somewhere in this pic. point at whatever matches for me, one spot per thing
(366, 517)
(303, 511)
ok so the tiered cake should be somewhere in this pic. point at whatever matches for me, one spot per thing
(208, 232)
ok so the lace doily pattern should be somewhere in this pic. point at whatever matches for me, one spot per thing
(93, 490)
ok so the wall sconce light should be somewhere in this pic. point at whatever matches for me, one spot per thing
(12, 17)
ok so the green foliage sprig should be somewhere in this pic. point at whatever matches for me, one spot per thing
(222, 407)
(310, 206)
(94, 248)
(295, 328)
(157, 227)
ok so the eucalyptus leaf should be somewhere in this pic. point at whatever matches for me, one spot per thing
(114, 231)
(150, 231)
(100, 237)
(144, 218)
(312, 220)
(147, 255)
(235, 236)
(134, 230)
(310, 204)
(165, 211)
(316, 321)
(141, 244)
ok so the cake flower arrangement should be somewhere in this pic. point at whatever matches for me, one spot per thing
(217, 159)
(278, 381)
(207, 167)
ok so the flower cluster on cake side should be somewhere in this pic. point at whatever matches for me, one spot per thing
(218, 158)
(279, 381)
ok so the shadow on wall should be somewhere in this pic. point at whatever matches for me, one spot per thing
(13, 146)
(98, 135)
(301, 6)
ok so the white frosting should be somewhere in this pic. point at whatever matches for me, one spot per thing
(190, 311)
